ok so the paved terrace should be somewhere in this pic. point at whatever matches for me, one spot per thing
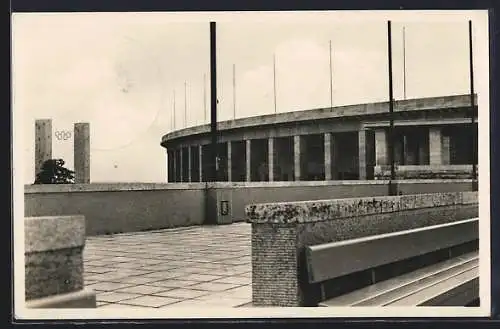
(203, 266)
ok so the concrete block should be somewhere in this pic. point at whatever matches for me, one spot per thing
(53, 272)
(49, 233)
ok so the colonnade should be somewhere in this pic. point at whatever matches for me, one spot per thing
(326, 156)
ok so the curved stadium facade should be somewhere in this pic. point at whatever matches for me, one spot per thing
(433, 138)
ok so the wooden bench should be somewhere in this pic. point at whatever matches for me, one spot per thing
(429, 266)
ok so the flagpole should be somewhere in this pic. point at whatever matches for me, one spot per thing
(274, 80)
(174, 108)
(234, 91)
(404, 63)
(392, 186)
(185, 104)
(204, 98)
(331, 78)
(213, 105)
(473, 112)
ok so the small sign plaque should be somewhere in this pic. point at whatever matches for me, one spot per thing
(224, 208)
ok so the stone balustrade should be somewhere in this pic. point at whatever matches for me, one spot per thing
(280, 231)
(54, 263)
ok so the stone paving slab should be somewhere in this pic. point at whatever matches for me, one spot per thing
(202, 266)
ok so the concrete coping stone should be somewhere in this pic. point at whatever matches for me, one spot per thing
(109, 187)
(323, 210)
(119, 187)
(49, 233)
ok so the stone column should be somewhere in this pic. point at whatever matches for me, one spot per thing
(200, 161)
(171, 166)
(229, 162)
(81, 144)
(405, 159)
(271, 153)
(43, 143)
(435, 146)
(181, 164)
(445, 149)
(297, 155)
(328, 139)
(248, 160)
(174, 166)
(381, 147)
(362, 154)
(190, 166)
(167, 162)
(422, 154)
(335, 152)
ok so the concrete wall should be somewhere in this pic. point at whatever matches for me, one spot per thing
(241, 194)
(115, 208)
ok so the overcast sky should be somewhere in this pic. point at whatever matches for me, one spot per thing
(119, 72)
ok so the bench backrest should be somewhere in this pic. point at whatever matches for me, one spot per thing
(333, 260)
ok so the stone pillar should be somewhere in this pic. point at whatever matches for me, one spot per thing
(171, 166)
(445, 149)
(81, 145)
(435, 146)
(229, 162)
(335, 152)
(174, 166)
(248, 160)
(328, 139)
(181, 160)
(43, 143)
(167, 162)
(422, 152)
(200, 161)
(270, 160)
(406, 155)
(297, 155)
(381, 147)
(362, 154)
(190, 166)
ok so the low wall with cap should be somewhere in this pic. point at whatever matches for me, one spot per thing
(120, 207)
(130, 207)
(280, 231)
(53, 248)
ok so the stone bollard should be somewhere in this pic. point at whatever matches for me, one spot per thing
(53, 250)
